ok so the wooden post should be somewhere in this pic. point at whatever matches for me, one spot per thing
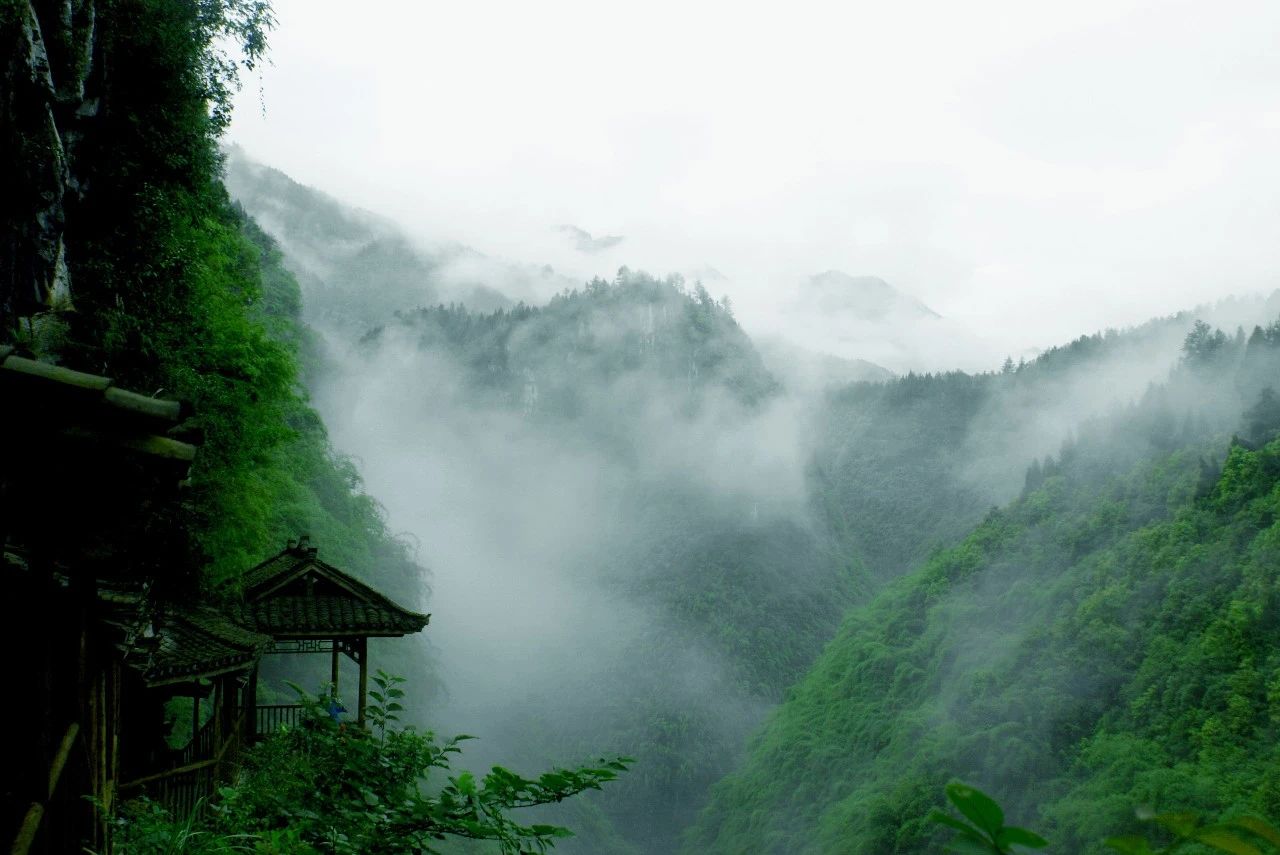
(217, 710)
(251, 705)
(113, 722)
(216, 743)
(230, 703)
(363, 646)
(333, 669)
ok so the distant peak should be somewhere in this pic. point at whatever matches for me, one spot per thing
(707, 273)
(868, 297)
(583, 241)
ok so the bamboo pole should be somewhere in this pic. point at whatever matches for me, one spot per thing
(60, 759)
(35, 813)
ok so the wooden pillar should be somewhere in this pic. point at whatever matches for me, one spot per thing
(363, 646)
(216, 709)
(333, 668)
(230, 705)
(251, 705)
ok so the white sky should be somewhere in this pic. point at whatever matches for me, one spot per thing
(1033, 170)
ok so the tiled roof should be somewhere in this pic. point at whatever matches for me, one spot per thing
(330, 615)
(346, 606)
(275, 567)
(200, 642)
(168, 643)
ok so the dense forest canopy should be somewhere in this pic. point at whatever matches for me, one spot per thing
(1100, 643)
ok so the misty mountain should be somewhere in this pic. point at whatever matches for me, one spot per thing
(583, 241)
(808, 371)
(551, 359)
(867, 318)
(1100, 642)
(616, 483)
(706, 273)
(867, 298)
(661, 521)
(911, 464)
(358, 268)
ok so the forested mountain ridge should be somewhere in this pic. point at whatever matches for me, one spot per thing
(583, 339)
(739, 591)
(901, 465)
(359, 268)
(1101, 643)
(909, 465)
(652, 466)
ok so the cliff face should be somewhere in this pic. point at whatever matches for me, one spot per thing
(49, 101)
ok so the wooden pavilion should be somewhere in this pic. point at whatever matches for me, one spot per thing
(172, 651)
(291, 603)
(306, 605)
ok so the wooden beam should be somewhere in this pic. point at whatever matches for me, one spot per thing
(170, 773)
(333, 669)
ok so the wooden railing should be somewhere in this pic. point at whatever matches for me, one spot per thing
(195, 772)
(271, 717)
(200, 747)
(183, 791)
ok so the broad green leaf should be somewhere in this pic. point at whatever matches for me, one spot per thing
(550, 831)
(1182, 824)
(1012, 835)
(968, 846)
(978, 807)
(1225, 841)
(1256, 826)
(964, 828)
(1129, 845)
(466, 783)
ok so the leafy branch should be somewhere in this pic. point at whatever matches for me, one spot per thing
(1239, 836)
(985, 832)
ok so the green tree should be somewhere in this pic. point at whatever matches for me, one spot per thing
(329, 786)
(1262, 420)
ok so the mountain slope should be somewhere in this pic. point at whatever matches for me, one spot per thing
(910, 465)
(614, 483)
(1101, 643)
(658, 532)
(358, 268)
